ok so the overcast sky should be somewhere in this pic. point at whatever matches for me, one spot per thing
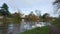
(26, 6)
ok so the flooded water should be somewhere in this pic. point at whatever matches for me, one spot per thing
(17, 28)
(24, 26)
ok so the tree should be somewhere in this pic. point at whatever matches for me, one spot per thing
(16, 18)
(32, 18)
(57, 20)
(4, 12)
(17, 21)
(38, 12)
(56, 1)
(57, 5)
(45, 17)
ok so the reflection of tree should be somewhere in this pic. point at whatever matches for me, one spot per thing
(10, 33)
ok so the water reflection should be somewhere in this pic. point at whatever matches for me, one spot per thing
(0, 31)
(27, 26)
(17, 28)
(10, 28)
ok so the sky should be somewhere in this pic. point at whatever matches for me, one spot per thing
(26, 6)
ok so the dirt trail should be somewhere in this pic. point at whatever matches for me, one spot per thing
(54, 29)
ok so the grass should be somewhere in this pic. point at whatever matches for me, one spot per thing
(42, 30)
(56, 24)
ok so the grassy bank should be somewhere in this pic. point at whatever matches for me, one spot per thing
(56, 22)
(42, 30)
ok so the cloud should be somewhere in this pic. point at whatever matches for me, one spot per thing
(28, 4)
(31, 2)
